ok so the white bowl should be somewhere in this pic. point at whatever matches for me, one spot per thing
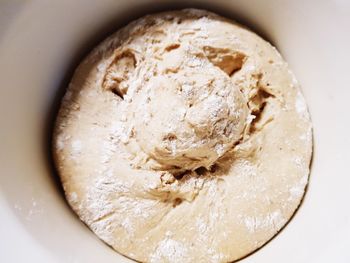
(42, 41)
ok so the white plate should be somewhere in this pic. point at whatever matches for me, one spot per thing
(42, 41)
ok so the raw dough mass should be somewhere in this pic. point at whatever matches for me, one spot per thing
(184, 137)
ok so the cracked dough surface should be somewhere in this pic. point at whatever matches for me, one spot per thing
(184, 137)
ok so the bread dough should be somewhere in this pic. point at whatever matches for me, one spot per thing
(184, 137)
(187, 114)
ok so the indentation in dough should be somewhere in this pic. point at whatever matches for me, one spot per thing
(226, 59)
(172, 46)
(172, 58)
(169, 137)
(103, 217)
(119, 71)
(201, 170)
(175, 189)
(260, 100)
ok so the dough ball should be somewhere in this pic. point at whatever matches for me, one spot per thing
(190, 117)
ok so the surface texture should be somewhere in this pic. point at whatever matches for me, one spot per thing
(122, 170)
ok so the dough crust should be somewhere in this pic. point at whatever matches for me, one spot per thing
(184, 137)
